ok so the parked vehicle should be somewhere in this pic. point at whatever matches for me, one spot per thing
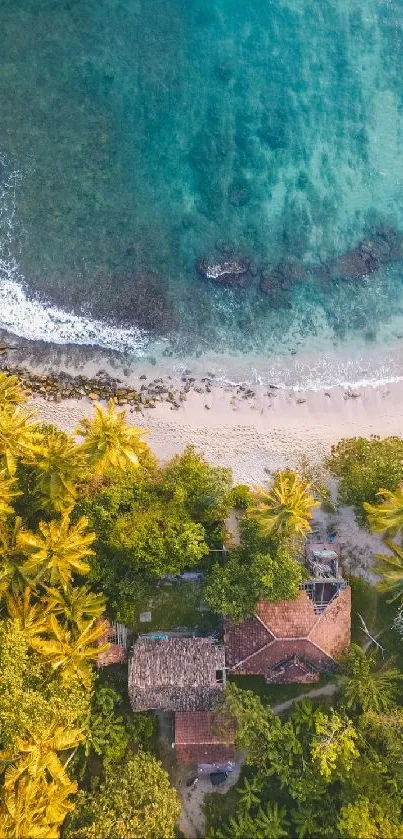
(218, 778)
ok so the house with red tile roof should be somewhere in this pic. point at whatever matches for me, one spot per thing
(296, 640)
(198, 741)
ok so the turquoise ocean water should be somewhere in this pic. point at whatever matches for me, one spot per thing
(138, 136)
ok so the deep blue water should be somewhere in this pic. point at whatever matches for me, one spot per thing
(137, 136)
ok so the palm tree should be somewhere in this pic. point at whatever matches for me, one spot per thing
(76, 605)
(72, 652)
(391, 569)
(11, 392)
(366, 687)
(30, 616)
(8, 492)
(18, 436)
(386, 517)
(11, 559)
(58, 465)
(35, 809)
(57, 551)
(271, 823)
(109, 441)
(286, 509)
(36, 755)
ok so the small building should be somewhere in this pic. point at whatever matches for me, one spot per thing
(296, 640)
(175, 674)
(197, 742)
(116, 635)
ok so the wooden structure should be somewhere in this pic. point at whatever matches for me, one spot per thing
(175, 674)
(117, 636)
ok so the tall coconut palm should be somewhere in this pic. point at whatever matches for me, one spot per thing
(59, 464)
(109, 441)
(365, 686)
(77, 606)
(285, 510)
(386, 517)
(71, 653)
(18, 436)
(35, 809)
(57, 551)
(8, 492)
(35, 754)
(30, 616)
(390, 567)
(11, 391)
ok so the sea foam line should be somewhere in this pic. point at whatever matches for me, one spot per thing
(34, 320)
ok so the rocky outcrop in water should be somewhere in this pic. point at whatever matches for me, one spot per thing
(226, 272)
(383, 246)
(281, 278)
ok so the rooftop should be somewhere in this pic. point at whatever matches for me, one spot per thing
(196, 740)
(175, 674)
(293, 634)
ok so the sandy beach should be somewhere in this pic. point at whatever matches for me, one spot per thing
(253, 435)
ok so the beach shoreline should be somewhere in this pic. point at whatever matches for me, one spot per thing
(252, 435)
(252, 429)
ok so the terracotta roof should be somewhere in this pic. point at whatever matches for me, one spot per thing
(175, 674)
(246, 638)
(288, 618)
(294, 628)
(197, 742)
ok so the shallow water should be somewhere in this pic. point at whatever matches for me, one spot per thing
(138, 136)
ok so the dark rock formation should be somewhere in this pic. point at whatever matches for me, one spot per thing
(385, 245)
(280, 279)
(227, 272)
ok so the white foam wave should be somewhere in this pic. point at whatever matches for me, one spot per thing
(33, 320)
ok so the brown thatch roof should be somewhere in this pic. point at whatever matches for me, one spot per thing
(175, 674)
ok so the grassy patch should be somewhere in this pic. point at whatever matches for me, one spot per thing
(178, 605)
(274, 694)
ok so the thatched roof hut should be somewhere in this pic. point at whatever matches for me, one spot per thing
(175, 674)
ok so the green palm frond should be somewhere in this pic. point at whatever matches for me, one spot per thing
(18, 436)
(390, 568)
(72, 652)
(76, 605)
(387, 516)
(109, 441)
(286, 508)
(57, 551)
(59, 464)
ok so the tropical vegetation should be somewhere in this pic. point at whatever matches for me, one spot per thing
(93, 529)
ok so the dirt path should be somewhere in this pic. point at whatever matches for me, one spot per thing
(326, 690)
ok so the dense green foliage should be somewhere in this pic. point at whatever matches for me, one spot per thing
(59, 725)
(366, 466)
(135, 801)
(98, 529)
(321, 772)
(260, 567)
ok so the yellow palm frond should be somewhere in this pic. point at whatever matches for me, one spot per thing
(286, 508)
(109, 441)
(387, 516)
(57, 551)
